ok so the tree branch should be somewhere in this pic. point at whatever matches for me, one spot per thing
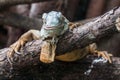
(89, 32)
(80, 37)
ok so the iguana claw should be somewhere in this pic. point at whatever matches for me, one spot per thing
(14, 49)
(31, 34)
(104, 54)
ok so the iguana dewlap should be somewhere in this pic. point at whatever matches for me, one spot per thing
(54, 25)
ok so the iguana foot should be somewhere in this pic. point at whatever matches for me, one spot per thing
(28, 36)
(14, 49)
(103, 54)
(73, 25)
(118, 24)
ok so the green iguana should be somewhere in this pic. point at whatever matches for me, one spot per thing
(54, 25)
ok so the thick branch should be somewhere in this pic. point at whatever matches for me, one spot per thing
(78, 38)
(89, 32)
(80, 70)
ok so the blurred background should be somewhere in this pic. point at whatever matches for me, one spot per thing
(74, 10)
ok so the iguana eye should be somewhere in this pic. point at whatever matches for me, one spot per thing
(43, 20)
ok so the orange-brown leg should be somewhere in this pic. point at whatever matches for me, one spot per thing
(73, 25)
(31, 34)
(103, 54)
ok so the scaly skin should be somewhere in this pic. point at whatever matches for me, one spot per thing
(54, 25)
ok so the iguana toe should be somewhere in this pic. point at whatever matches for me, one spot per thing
(14, 49)
(105, 55)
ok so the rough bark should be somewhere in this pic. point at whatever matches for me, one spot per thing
(91, 29)
(71, 71)
(111, 44)
(79, 37)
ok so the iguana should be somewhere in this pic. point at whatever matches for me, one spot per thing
(55, 25)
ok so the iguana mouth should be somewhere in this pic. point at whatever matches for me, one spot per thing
(53, 27)
(50, 28)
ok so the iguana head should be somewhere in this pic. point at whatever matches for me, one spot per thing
(53, 20)
(54, 24)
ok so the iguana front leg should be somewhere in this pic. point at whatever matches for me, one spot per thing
(47, 48)
(28, 36)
